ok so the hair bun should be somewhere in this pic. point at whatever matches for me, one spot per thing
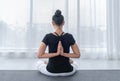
(58, 13)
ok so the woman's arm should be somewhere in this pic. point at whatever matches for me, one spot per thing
(75, 54)
(42, 54)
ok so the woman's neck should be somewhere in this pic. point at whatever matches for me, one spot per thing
(59, 30)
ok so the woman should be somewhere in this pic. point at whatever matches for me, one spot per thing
(58, 43)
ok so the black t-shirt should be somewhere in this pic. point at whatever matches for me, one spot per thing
(59, 64)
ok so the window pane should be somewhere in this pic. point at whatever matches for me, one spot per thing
(93, 24)
(14, 17)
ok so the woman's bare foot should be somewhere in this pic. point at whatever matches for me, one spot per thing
(71, 61)
(45, 62)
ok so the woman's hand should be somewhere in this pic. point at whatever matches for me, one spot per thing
(60, 48)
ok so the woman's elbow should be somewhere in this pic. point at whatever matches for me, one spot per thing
(39, 56)
(78, 55)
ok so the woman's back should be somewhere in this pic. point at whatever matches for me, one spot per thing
(59, 64)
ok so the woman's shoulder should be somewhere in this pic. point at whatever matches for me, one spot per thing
(48, 34)
(68, 34)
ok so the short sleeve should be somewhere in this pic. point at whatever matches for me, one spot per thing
(45, 39)
(72, 40)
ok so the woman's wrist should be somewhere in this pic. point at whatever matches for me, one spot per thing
(57, 53)
(62, 54)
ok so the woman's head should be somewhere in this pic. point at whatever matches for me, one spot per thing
(58, 18)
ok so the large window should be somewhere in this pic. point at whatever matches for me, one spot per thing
(14, 18)
(23, 23)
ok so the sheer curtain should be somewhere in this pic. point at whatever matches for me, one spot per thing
(94, 24)
(14, 20)
(92, 28)
(113, 29)
(24, 23)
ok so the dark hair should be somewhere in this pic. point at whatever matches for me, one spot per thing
(58, 18)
